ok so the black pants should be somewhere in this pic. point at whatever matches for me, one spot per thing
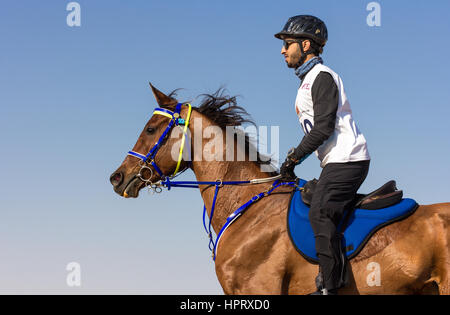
(334, 194)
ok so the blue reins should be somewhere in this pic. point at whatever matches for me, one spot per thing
(213, 244)
(148, 159)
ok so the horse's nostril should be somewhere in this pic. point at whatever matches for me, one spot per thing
(116, 179)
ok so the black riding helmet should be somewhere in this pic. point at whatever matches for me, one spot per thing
(305, 26)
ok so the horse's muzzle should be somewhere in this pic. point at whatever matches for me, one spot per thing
(116, 179)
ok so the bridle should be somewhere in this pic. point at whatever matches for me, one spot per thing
(149, 159)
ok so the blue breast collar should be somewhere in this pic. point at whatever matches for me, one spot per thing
(213, 244)
(148, 159)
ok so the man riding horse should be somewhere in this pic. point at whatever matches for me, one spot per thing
(260, 252)
(326, 118)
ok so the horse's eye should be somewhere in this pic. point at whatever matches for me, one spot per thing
(150, 130)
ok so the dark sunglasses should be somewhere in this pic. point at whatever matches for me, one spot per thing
(286, 44)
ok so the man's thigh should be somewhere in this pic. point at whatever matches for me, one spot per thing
(336, 189)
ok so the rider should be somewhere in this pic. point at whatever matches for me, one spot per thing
(326, 118)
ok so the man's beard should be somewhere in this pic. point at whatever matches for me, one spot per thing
(290, 65)
(294, 63)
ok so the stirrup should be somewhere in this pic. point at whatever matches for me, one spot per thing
(330, 292)
(324, 292)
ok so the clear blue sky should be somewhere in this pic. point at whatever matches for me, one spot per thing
(74, 99)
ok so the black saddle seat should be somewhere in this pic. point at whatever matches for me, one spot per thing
(385, 196)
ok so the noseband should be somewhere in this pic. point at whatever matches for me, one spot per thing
(149, 159)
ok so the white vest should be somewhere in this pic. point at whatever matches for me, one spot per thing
(347, 143)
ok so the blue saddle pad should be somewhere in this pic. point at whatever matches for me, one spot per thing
(360, 227)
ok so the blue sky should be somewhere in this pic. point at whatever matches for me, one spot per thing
(74, 99)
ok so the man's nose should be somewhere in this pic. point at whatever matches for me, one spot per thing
(283, 50)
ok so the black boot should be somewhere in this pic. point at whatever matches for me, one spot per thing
(341, 269)
(321, 290)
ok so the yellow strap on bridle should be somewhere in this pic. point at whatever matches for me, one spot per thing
(186, 124)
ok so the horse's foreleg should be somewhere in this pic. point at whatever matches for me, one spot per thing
(258, 268)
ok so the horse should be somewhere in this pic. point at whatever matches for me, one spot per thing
(255, 254)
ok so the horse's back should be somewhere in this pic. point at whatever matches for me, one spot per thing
(423, 220)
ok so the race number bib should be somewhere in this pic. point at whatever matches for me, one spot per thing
(306, 125)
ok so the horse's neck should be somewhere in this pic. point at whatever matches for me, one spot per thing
(229, 197)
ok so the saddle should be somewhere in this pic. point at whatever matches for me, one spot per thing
(383, 197)
(371, 212)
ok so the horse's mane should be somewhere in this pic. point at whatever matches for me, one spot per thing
(224, 111)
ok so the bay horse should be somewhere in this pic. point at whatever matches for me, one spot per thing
(255, 254)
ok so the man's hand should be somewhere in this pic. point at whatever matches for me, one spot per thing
(287, 171)
(287, 168)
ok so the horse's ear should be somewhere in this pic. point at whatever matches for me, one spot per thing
(162, 99)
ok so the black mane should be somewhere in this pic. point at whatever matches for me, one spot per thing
(224, 111)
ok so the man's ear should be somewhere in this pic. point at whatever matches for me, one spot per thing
(306, 45)
(162, 99)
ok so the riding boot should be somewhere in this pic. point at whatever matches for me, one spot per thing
(334, 265)
(341, 271)
(321, 290)
(333, 273)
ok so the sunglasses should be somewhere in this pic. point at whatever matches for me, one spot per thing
(286, 44)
